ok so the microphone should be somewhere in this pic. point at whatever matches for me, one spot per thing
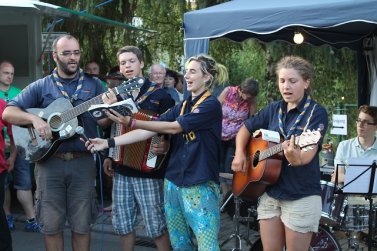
(80, 131)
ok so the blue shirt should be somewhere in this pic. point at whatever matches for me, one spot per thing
(43, 92)
(195, 161)
(158, 101)
(294, 182)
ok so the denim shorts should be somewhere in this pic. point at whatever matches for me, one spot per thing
(133, 193)
(66, 192)
(300, 215)
(21, 174)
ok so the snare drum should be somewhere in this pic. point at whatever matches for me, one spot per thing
(333, 205)
(357, 217)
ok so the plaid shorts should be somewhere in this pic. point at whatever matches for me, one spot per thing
(131, 193)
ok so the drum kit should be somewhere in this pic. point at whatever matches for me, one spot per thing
(339, 219)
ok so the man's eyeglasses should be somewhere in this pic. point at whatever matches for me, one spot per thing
(158, 74)
(69, 53)
(364, 122)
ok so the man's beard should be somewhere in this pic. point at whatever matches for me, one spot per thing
(64, 67)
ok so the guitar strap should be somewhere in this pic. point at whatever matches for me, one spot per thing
(190, 136)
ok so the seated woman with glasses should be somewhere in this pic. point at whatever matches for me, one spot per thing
(362, 146)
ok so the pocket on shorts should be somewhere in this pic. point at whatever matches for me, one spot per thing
(38, 207)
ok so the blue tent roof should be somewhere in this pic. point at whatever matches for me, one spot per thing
(341, 23)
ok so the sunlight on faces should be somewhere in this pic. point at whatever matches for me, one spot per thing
(292, 86)
(67, 64)
(129, 65)
(195, 78)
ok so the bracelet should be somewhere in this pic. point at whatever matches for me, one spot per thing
(131, 123)
(110, 142)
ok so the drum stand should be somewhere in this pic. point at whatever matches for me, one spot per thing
(237, 236)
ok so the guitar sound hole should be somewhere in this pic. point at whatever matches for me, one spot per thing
(256, 158)
(55, 122)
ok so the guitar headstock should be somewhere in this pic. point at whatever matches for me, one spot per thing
(308, 138)
(130, 85)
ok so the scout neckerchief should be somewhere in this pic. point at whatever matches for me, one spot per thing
(59, 84)
(298, 119)
(151, 89)
(190, 136)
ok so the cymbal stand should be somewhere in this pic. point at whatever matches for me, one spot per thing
(237, 236)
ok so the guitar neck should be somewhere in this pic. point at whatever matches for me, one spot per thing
(265, 154)
(83, 107)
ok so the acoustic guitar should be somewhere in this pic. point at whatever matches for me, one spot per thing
(61, 116)
(264, 164)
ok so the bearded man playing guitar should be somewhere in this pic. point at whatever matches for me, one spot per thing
(290, 209)
(65, 178)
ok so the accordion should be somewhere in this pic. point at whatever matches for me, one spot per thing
(137, 155)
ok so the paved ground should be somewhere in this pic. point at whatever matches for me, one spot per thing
(104, 239)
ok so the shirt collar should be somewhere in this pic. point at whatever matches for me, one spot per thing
(300, 106)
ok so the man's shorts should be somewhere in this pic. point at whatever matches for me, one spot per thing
(300, 215)
(66, 192)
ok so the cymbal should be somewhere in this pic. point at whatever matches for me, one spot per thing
(228, 176)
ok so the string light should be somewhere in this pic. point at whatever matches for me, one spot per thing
(298, 38)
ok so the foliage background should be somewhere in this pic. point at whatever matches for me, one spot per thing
(335, 70)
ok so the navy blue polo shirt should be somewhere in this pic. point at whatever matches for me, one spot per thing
(43, 92)
(195, 161)
(294, 182)
(157, 102)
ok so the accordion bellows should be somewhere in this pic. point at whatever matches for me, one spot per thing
(137, 155)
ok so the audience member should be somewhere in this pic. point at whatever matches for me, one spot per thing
(66, 180)
(22, 181)
(171, 81)
(157, 74)
(191, 189)
(238, 103)
(92, 68)
(179, 86)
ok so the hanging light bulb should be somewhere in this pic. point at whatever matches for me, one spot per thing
(298, 38)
